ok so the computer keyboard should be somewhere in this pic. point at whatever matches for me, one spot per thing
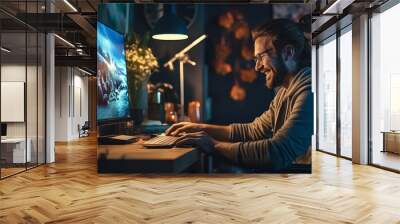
(161, 141)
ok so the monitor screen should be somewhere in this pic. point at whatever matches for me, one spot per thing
(112, 84)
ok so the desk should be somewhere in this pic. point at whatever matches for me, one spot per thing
(134, 158)
(391, 141)
(13, 150)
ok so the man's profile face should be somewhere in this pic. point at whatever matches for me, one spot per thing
(269, 61)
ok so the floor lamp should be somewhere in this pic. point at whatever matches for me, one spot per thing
(183, 59)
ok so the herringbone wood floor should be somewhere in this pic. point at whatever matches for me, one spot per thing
(70, 191)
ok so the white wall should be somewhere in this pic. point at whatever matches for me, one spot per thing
(61, 103)
(71, 102)
(33, 127)
(16, 73)
(81, 84)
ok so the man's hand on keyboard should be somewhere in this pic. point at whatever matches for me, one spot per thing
(184, 127)
(200, 139)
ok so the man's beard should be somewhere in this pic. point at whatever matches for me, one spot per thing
(280, 71)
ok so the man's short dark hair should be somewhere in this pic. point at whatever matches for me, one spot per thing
(284, 32)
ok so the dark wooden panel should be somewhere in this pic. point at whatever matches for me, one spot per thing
(133, 158)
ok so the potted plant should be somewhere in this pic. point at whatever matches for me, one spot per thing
(141, 63)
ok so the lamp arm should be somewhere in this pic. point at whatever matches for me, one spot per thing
(191, 62)
(186, 49)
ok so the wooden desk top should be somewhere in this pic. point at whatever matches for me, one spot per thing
(134, 158)
(14, 140)
(390, 132)
(137, 151)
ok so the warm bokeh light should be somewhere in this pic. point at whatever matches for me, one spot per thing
(238, 93)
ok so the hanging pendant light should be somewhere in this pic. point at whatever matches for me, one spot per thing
(170, 26)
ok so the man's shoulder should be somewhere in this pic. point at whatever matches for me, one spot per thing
(302, 82)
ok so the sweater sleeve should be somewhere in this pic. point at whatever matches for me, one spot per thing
(289, 142)
(260, 128)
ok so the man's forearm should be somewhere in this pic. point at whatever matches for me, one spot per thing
(218, 132)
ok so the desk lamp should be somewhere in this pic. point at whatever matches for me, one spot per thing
(183, 58)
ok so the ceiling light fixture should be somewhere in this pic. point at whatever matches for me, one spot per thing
(5, 50)
(84, 71)
(333, 6)
(337, 7)
(65, 41)
(70, 5)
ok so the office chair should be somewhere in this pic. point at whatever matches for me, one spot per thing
(84, 130)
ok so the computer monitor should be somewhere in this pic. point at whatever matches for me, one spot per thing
(112, 80)
(3, 129)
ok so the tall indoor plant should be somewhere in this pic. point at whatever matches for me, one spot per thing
(141, 63)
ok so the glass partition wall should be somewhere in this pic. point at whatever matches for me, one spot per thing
(22, 77)
(385, 89)
(334, 94)
(345, 90)
(326, 59)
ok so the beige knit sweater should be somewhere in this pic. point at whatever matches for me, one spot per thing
(281, 136)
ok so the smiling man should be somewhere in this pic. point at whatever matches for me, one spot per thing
(280, 139)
